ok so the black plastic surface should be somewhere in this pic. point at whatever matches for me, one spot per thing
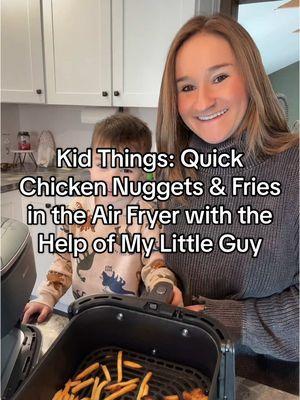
(26, 361)
(166, 333)
(167, 378)
(21, 277)
(162, 292)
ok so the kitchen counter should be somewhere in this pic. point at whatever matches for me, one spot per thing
(246, 389)
(11, 178)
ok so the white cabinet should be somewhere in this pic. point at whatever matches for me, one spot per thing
(11, 205)
(22, 77)
(109, 52)
(77, 39)
(97, 52)
(142, 33)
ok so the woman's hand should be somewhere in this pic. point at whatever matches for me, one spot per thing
(177, 297)
(36, 308)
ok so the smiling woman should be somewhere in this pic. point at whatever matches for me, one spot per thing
(212, 95)
(214, 84)
(216, 97)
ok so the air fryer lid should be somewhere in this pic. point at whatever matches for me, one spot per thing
(14, 236)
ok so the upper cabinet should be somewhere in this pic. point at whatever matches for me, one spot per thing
(97, 52)
(77, 38)
(142, 32)
(22, 77)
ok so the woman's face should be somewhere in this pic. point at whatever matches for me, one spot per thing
(211, 92)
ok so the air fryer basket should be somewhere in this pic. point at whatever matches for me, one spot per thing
(181, 348)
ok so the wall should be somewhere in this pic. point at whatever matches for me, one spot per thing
(286, 81)
(9, 129)
(65, 122)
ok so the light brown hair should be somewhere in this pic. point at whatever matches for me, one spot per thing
(122, 131)
(267, 129)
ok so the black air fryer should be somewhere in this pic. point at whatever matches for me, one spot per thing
(182, 349)
(19, 344)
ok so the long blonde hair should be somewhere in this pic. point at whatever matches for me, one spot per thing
(268, 132)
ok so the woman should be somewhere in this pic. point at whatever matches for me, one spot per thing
(216, 94)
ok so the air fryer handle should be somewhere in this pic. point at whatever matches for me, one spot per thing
(162, 291)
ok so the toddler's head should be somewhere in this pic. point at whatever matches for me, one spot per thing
(119, 131)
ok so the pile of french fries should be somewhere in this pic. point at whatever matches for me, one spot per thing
(105, 389)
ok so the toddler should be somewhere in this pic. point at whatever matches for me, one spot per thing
(114, 273)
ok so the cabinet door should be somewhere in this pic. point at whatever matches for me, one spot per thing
(142, 33)
(21, 52)
(77, 40)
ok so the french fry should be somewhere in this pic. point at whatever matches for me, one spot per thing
(66, 389)
(106, 373)
(57, 395)
(96, 383)
(98, 391)
(119, 366)
(87, 371)
(171, 397)
(124, 390)
(132, 364)
(143, 384)
(146, 390)
(82, 385)
(74, 383)
(72, 396)
(66, 396)
(119, 385)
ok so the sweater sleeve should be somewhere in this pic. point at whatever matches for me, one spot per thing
(59, 277)
(266, 325)
(154, 269)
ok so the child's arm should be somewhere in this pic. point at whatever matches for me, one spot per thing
(58, 280)
(59, 277)
(154, 269)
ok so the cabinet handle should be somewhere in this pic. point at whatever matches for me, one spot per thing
(39, 91)
(116, 93)
(104, 94)
(48, 205)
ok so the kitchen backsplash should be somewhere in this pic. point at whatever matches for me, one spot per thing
(65, 122)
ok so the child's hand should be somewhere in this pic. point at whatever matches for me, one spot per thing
(36, 308)
(177, 297)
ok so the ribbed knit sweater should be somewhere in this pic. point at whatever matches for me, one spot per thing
(256, 299)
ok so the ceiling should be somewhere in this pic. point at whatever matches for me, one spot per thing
(272, 30)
